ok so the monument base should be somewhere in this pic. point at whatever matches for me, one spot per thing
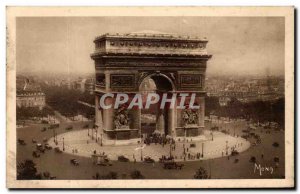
(122, 134)
(189, 131)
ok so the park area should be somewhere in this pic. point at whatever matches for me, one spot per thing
(262, 147)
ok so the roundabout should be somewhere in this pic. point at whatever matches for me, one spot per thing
(207, 146)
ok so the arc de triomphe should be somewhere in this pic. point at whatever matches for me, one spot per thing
(175, 63)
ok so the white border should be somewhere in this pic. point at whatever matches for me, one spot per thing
(150, 11)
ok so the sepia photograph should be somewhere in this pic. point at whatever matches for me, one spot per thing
(150, 97)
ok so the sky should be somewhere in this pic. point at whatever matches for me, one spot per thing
(239, 45)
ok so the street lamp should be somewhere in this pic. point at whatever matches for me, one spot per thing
(226, 148)
(141, 147)
(54, 135)
(101, 139)
(202, 155)
(63, 144)
(96, 134)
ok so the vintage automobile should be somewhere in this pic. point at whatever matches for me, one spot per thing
(57, 150)
(166, 159)
(74, 162)
(69, 128)
(53, 126)
(48, 147)
(33, 141)
(40, 147)
(148, 159)
(104, 162)
(123, 159)
(44, 129)
(35, 154)
(21, 142)
(234, 153)
(173, 165)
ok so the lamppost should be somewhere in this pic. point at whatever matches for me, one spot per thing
(54, 135)
(184, 140)
(171, 142)
(88, 131)
(202, 155)
(226, 148)
(141, 147)
(101, 138)
(55, 138)
(63, 144)
(96, 133)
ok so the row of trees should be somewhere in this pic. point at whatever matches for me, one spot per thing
(30, 112)
(27, 171)
(258, 111)
(66, 100)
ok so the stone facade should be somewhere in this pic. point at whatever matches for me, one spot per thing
(30, 99)
(175, 63)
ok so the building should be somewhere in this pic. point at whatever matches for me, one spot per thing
(90, 85)
(31, 99)
(175, 63)
(29, 94)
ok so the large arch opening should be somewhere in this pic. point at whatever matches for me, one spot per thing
(156, 120)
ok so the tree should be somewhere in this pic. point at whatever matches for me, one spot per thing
(201, 173)
(27, 171)
(136, 174)
(110, 175)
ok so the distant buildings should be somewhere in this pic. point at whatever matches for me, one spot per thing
(245, 89)
(86, 84)
(31, 99)
(29, 93)
(223, 101)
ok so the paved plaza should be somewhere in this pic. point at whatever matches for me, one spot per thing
(214, 146)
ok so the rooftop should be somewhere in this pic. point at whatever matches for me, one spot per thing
(146, 34)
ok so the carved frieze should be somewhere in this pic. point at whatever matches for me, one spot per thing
(121, 118)
(182, 45)
(191, 80)
(100, 80)
(122, 80)
(189, 117)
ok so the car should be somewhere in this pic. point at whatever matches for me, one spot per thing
(57, 150)
(148, 159)
(234, 153)
(35, 154)
(173, 165)
(40, 147)
(123, 159)
(74, 162)
(48, 147)
(44, 129)
(69, 128)
(104, 162)
(21, 142)
(53, 126)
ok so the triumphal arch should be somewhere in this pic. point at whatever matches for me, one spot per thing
(176, 64)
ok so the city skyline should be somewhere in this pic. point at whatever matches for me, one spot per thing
(52, 45)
